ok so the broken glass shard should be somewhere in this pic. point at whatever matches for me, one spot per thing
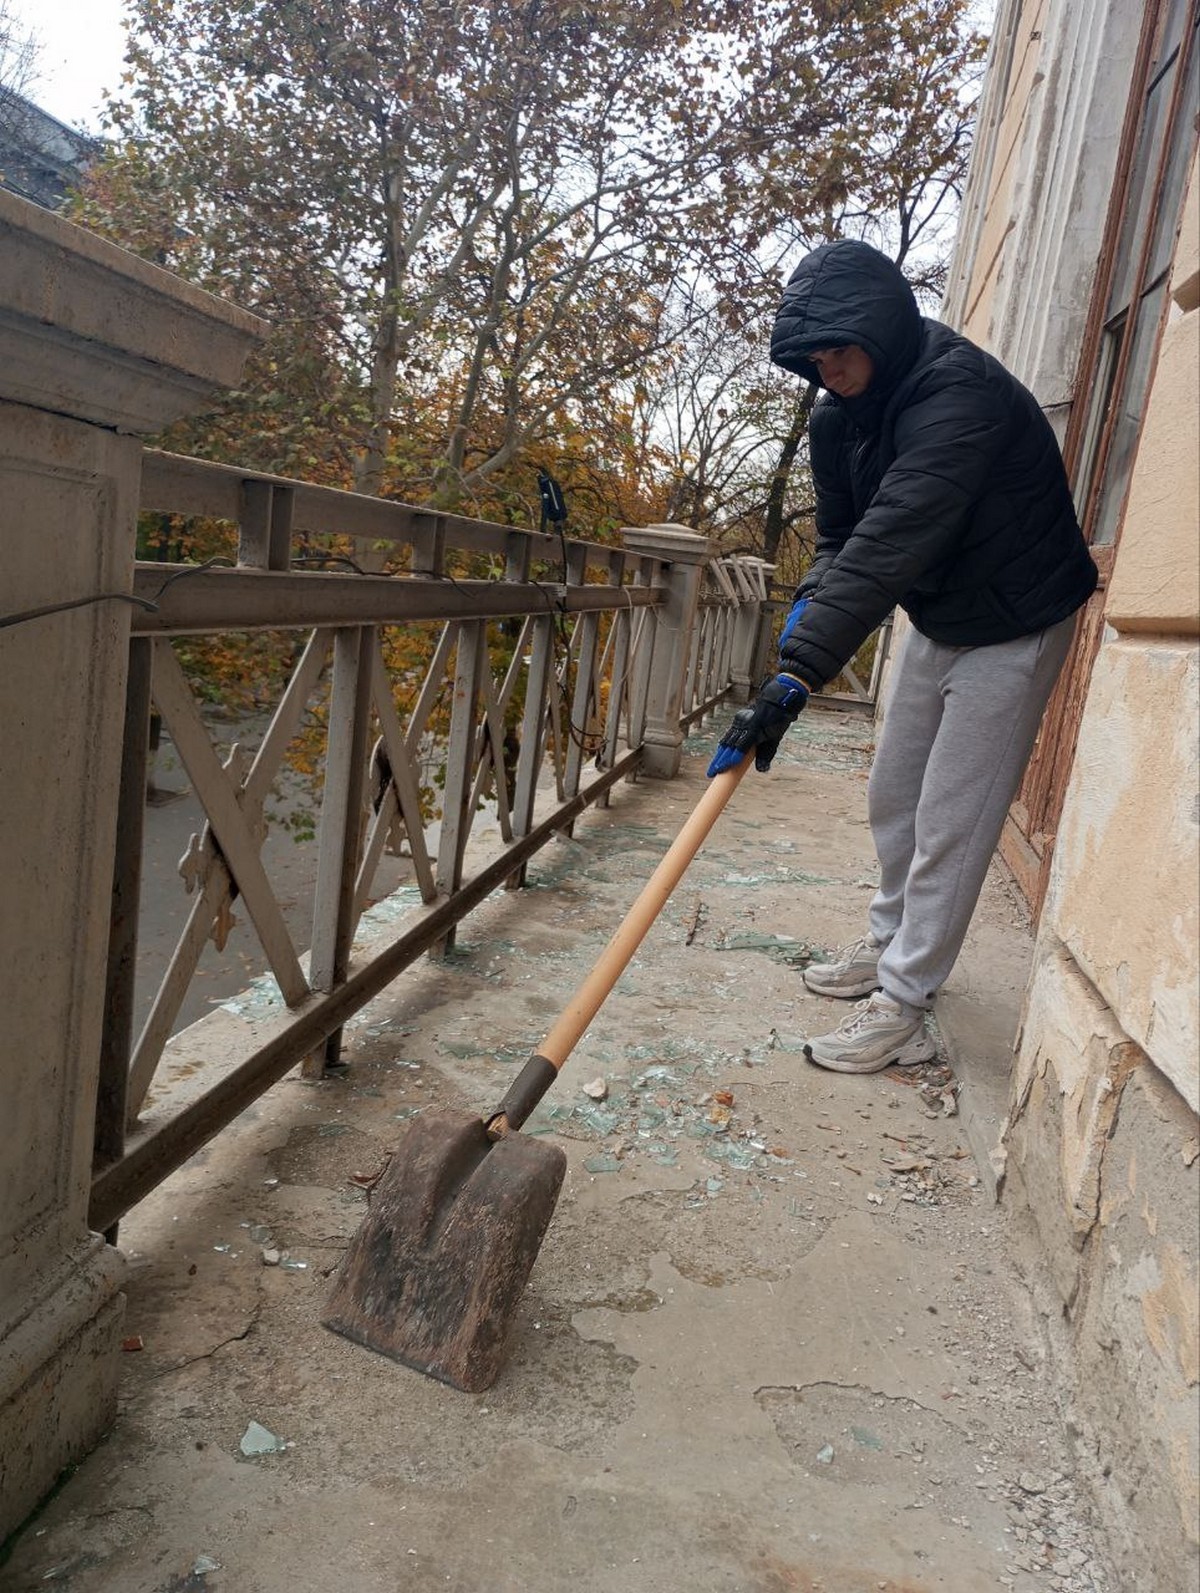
(260, 1440)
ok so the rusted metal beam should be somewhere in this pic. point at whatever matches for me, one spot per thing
(702, 710)
(490, 742)
(150, 1159)
(193, 601)
(176, 484)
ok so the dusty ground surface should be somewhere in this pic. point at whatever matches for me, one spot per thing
(774, 1341)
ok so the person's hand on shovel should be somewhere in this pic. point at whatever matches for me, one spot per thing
(761, 727)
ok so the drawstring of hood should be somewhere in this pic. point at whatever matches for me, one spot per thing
(847, 292)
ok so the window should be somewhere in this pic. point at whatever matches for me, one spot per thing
(1121, 354)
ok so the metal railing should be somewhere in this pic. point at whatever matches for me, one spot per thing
(859, 684)
(531, 705)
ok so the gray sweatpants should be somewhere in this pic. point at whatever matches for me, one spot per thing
(960, 726)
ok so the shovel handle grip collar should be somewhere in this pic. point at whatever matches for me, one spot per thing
(543, 1066)
(523, 1094)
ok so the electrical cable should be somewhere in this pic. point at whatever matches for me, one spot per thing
(321, 559)
(148, 605)
(23, 616)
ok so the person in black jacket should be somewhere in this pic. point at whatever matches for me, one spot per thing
(939, 488)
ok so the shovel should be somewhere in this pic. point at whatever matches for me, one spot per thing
(435, 1273)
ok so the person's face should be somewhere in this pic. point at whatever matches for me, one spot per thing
(846, 371)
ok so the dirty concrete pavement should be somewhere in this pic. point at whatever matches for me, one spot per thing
(777, 1338)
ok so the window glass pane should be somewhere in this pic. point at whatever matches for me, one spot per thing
(1178, 164)
(1127, 423)
(1171, 32)
(1101, 397)
(1145, 168)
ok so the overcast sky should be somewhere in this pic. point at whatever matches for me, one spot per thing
(82, 49)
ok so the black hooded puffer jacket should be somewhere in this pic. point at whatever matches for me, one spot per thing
(940, 489)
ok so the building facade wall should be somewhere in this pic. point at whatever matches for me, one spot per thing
(1103, 1138)
(41, 159)
(1022, 277)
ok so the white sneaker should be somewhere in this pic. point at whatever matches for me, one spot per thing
(876, 1034)
(855, 973)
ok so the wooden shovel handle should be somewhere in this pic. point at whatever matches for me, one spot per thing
(588, 999)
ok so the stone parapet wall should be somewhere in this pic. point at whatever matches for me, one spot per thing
(95, 347)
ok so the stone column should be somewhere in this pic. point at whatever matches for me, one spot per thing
(747, 663)
(96, 348)
(684, 554)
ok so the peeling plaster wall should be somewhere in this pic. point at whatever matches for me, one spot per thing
(1103, 1139)
(1103, 1156)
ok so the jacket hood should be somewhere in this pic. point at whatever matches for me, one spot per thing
(848, 292)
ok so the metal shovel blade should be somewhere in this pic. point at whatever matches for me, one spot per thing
(436, 1271)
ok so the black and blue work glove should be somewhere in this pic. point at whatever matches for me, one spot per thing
(761, 727)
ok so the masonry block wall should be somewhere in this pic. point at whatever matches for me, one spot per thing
(1104, 1138)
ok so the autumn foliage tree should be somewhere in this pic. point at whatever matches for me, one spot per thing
(890, 171)
(473, 223)
(493, 236)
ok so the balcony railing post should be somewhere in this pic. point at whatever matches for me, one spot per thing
(341, 822)
(533, 722)
(429, 544)
(751, 631)
(644, 623)
(683, 554)
(737, 596)
(714, 675)
(578, 706)
(265, 526)
(538, 638)
(695, 660)
(470, 661)
(621, 637)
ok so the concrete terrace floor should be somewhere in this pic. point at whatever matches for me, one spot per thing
(777, 1337)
